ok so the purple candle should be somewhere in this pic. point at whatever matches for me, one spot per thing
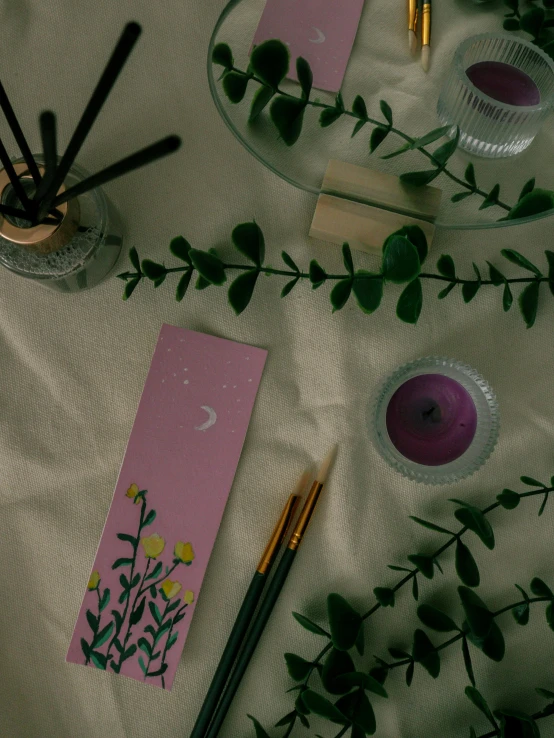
(504, 83)
(431, 419)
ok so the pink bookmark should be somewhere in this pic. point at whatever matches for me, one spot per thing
(321, 31)
(168, 503)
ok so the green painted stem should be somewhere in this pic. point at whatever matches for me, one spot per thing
(158, 581)
(155, 641)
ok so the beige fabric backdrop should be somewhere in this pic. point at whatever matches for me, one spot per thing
(73, 368)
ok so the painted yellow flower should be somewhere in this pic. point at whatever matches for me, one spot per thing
(153, 546)
(184, 552)
(94, 581)
(171, 589)
(132, 492)
(188, 598)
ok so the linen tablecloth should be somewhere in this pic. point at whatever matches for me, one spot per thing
(73, 367)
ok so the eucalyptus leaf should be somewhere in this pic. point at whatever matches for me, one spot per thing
(446, 291)
(424, 653)
(378, 135)
(446, 150)
(535, 202)
(249, 240)
(321, 706)
(540, 588)
(516, 258)
(317, 274)
(289, 262)
(425, 564)
(445, 266)
(242, 289)
(152, 269)
(458, 197)
(436, 619)
(337, 664)
(260, 732)
(262, 98)
(476, 521)
(527, 188)
(417, 237)
(469, 290)
(329, 116)
(130, 288)
(529, 303)
(492, 198)
(270, 62)
(400, 261)
(180, 248)
(134, 258)
(298, 667)
(183, 285)
(359, 108)
(430, 137)
(223, 56)
(367, 681)
(470, 175)
(398, 152)
(479, 617)
(347, 258)
(496, 276)
(386, 110)
(344, 622)
(521, 614)
(305, 77)
(358, 127)
(340, 294)
(309, 624)
(531, 481)
(511, 24)
(507, 298)
(480, 702)
(360, 641)
(368, 292)
(234, 86)
(467, 661)
(545, 693)
(410, 302)
(466, 568)
(419, 179)
(384, 596)
(287, 114)
(209, 267)
(410, 674)
(430, 526)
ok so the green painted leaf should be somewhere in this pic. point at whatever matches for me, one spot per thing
(163, 668)
(305, 77)
(155, 572)
(507, 298)
(516, 258)
(532, 21)
(529, 303)
(430, 137)
(85, 648)
(359, 107)
(130, 288)
(368, 292)
(288, 288)
(149, 518)
(466, 568)
(155, 612)
(235, 85)
(400, 261)
(180, 248)
(492, 198)
(145, 646)
(308, 624)
(386, 110)
(104, 600)
(270, 62)
(419, 179)
(123, 596)
(136, 615)
(470, 175)
(410, 302)
(527, 188)
(317, 274)
(425, 564)
(480, 702)
(479, 618)
(98, 659)
(537, 201)
(508, 499)
(384, 596)
(262, 98)
(103, 636)
(540, 588)
(344, 622)
(424, 653)
(298, 667)
(249, 240)
(341, 293)
(436, 619)
(469, 290)
(474, 519)
(121, 562)
(223, 56)
(445, 266)
(329, 116)
(118, 619)
(142, 665)
(135, 580)
(446, 291)
(378, 135)
(209, 267)
(336, 665)
(289, 262)
(430, 526)
(92, 620)
(287, 113)
(260, 732)
(467, 661)
(153, 270)
(321, 706)
(496, 277)
(459, 196)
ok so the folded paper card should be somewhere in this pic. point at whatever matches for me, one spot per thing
(322, 31)
(168, 503)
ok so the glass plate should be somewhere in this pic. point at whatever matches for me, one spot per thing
(303, 165)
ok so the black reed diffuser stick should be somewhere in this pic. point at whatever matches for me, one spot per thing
(47, 123)
(15, 181)
(18, 135)
(124, 46)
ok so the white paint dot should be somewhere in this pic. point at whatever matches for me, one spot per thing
(224, 386)
(186, 370)
(169, 349)
(249, 380)
(247, 358)
(163, 380)
(174, 374)
(186, 381)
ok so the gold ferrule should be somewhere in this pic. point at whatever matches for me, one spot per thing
(305, 516)
(42, 237)
(278, 535)
(416, 20)
(426, 25)
(412, 12)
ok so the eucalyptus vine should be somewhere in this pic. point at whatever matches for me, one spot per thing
(268, 67)
(536, 19)
(404, 254)
(344, 693)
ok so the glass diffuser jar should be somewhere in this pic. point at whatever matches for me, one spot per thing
(434, 420)
(73, 255)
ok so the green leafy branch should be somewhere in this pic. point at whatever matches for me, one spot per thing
(404, 254)
(346, 630)
(99, 635)
(537, 21)
(512, 722)
(172, 638)
(269, 65)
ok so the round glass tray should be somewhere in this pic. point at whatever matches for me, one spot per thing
(304, 164)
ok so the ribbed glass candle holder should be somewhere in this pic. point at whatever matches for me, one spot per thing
(499, 91)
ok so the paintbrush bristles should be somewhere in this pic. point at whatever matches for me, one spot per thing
(326, 465)
(412, 42)
(426, 58)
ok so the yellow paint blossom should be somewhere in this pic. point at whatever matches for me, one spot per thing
(184, 552)
(188, 598)
(153, 546)
(132, 492)
(94, 581)
(171, 589)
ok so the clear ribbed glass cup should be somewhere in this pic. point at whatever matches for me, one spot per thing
(489, 127)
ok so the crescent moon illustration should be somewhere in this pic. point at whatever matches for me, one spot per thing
(320, 36)
(212, 417)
